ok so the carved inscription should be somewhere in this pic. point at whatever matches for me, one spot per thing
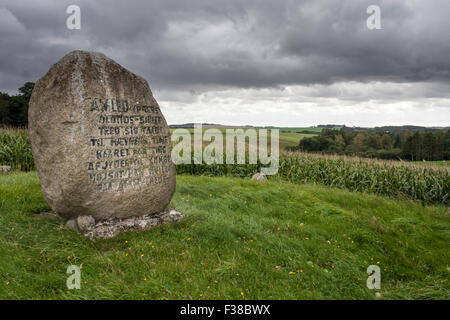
(129, 148)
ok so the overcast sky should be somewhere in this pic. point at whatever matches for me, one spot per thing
(274, 62)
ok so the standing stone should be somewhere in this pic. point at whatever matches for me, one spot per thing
(100, 142)
(72, 224)
(5, 168)
(259, 176)
(85, 223)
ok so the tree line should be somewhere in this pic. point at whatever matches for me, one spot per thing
(14, 108)
(402, 144)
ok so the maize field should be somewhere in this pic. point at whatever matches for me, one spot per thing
(15, 149)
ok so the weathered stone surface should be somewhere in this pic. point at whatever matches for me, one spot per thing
(85, 222)
(72, 224)
(100, 142)
(51, 214)
(111, 227)
(5, 169)
(259, 176)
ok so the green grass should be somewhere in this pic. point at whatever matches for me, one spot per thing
(435, 163)
(292, 139)
(299, 129)
(235, 233)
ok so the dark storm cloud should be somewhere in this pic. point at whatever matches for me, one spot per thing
(220, 44)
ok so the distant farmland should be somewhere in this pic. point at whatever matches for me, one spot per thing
(289, 137)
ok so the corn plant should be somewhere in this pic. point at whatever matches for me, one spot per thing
(15, 149)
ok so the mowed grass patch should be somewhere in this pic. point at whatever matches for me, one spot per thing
(433, 163)
(240, 239)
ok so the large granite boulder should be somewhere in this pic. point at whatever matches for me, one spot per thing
(100, 142)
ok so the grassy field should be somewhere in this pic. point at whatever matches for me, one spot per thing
(240, 240)
(292, 139)
(434, 163)
(298, 129)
